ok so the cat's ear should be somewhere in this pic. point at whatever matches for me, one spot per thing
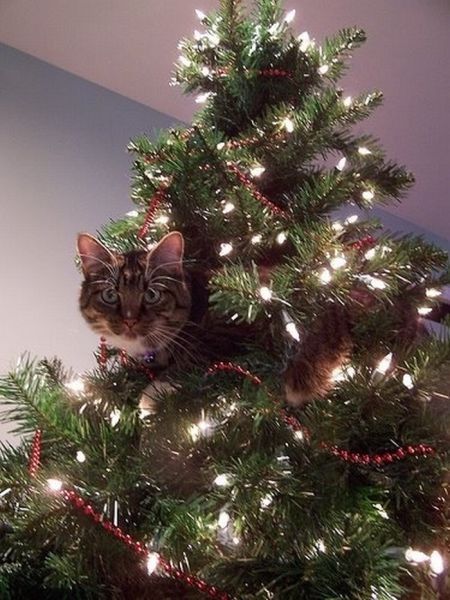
(94, 256)
(169, 251)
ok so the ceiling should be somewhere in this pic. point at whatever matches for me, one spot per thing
(129, 47)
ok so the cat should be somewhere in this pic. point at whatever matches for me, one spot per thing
(149, 303)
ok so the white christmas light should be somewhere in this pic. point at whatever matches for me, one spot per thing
(213, 38)
(224, 519)
(194, 432)
(222, 480)
(364, 151)
(347, 102)
(292, 330)
(325, 276)
(374, 282)
(257, 170)
(281, 238)
(200, 14)
(256, 239)
(288, 124)
(162, 219)
(184, 61)
(381, 511)
(220, 146)
(202, 98)
(323, 69)
(206, 71)
(55, 485)
(408, 381)
(385, 363)
(266, 501)
(341, 164)
(416, 556)
(320, 546)
(228, 207)
(152, 562)
(265, 293)
(436, 562)
(290, 16)
(225, 249)
(114, 417)
(299, 435)
(337, 226)
(370, 254)
(5, 492)
(305, 41)
(368, 195)
(351, 219)
(81, 456)
(132, 213)
(236, 540)
(424, 310)
(341, 374)
(338, 262)
(433, 293)
(198, 35)
(76, 385)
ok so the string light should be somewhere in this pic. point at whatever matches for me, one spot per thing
(222, 480)
(257, 170)
(305, 41)
(114, 417)
(347, 102)
(198, 35)
(384, 364)
(225, 249)
(325, 276)
(370, 254)
(224, 519)
(200, 14)
(407, 381)
(368, 195)
(416, 556)
(364, 151)
(341, 374)
(132, 213)
(184, 61)
(76, 385)
(351, 219)
(290, 16)
(433, 293)
(220, 146)
(256, 239)
(152, 562)
(266, 501)
(436, 562)
(288, 124)
(338, 262)
(228, 207)
(163, 219)
(202, 98)
(323, 69)
(424, 310)
(206, 71)
(81, 456)
(299, 435)
(337, 226)
(381, 511)
(374, 282)
(265, 293)
(55, 485)
(281, 238)
(292, 330)
(341, 164)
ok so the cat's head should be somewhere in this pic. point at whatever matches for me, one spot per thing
(137, 300)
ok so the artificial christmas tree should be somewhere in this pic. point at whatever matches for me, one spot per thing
(295, 447)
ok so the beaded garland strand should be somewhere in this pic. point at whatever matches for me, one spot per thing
(35, 453)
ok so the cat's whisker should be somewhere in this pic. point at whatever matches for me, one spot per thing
(112, 269)
(161, 266)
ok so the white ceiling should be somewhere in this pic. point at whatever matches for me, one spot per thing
(129, 46)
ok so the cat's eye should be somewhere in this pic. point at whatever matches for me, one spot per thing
(152, 296)
(110, 296)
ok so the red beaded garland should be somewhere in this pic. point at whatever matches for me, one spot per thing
(138, 548)
(35, 454)
(102, 357)
(364, 243)
(158, 197)
(275, 73)
(255, 192)
(233, 368)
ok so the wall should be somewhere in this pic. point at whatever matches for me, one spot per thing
(63, 169)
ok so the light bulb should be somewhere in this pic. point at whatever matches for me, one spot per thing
(76, 385)
(341, 164)
(162, 219)
(266, 501)
(305, 41)
(55, 485)
(222, 480)
(347, 102)
(206, 71)
(325, 276)
(236, 540)
(225, 249)
(281, 238)
(81, 456)
(436, 562)
(228, 207)
(433, 293)
(299, 435)
(202, 98)
(292, 330)
(220, 146)
(257, 170)
(290, 16)
(323, 69)
(288, 124)
(385, 363)
(351, 219)
(337, 226)
(256, 239)
(416, 556)
(213, 38)
(424, 310)
(382, 512)
(194, 432)
(368, 195)
(374, 282)
(364, 151)
(320, 546)
(152, 562)
(224, 519)
(132, 213)
(198, 35)
(265, 293)
(184, 61)
(338, 262)
(370, 254)
(114, 417)
(408, 381)
(200, 14)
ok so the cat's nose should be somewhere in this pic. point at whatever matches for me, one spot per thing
(130, 323)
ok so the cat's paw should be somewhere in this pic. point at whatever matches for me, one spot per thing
(150, 397)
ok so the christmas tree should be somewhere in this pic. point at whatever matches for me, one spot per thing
(220, 487)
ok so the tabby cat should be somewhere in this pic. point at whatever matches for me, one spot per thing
(147, 303)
